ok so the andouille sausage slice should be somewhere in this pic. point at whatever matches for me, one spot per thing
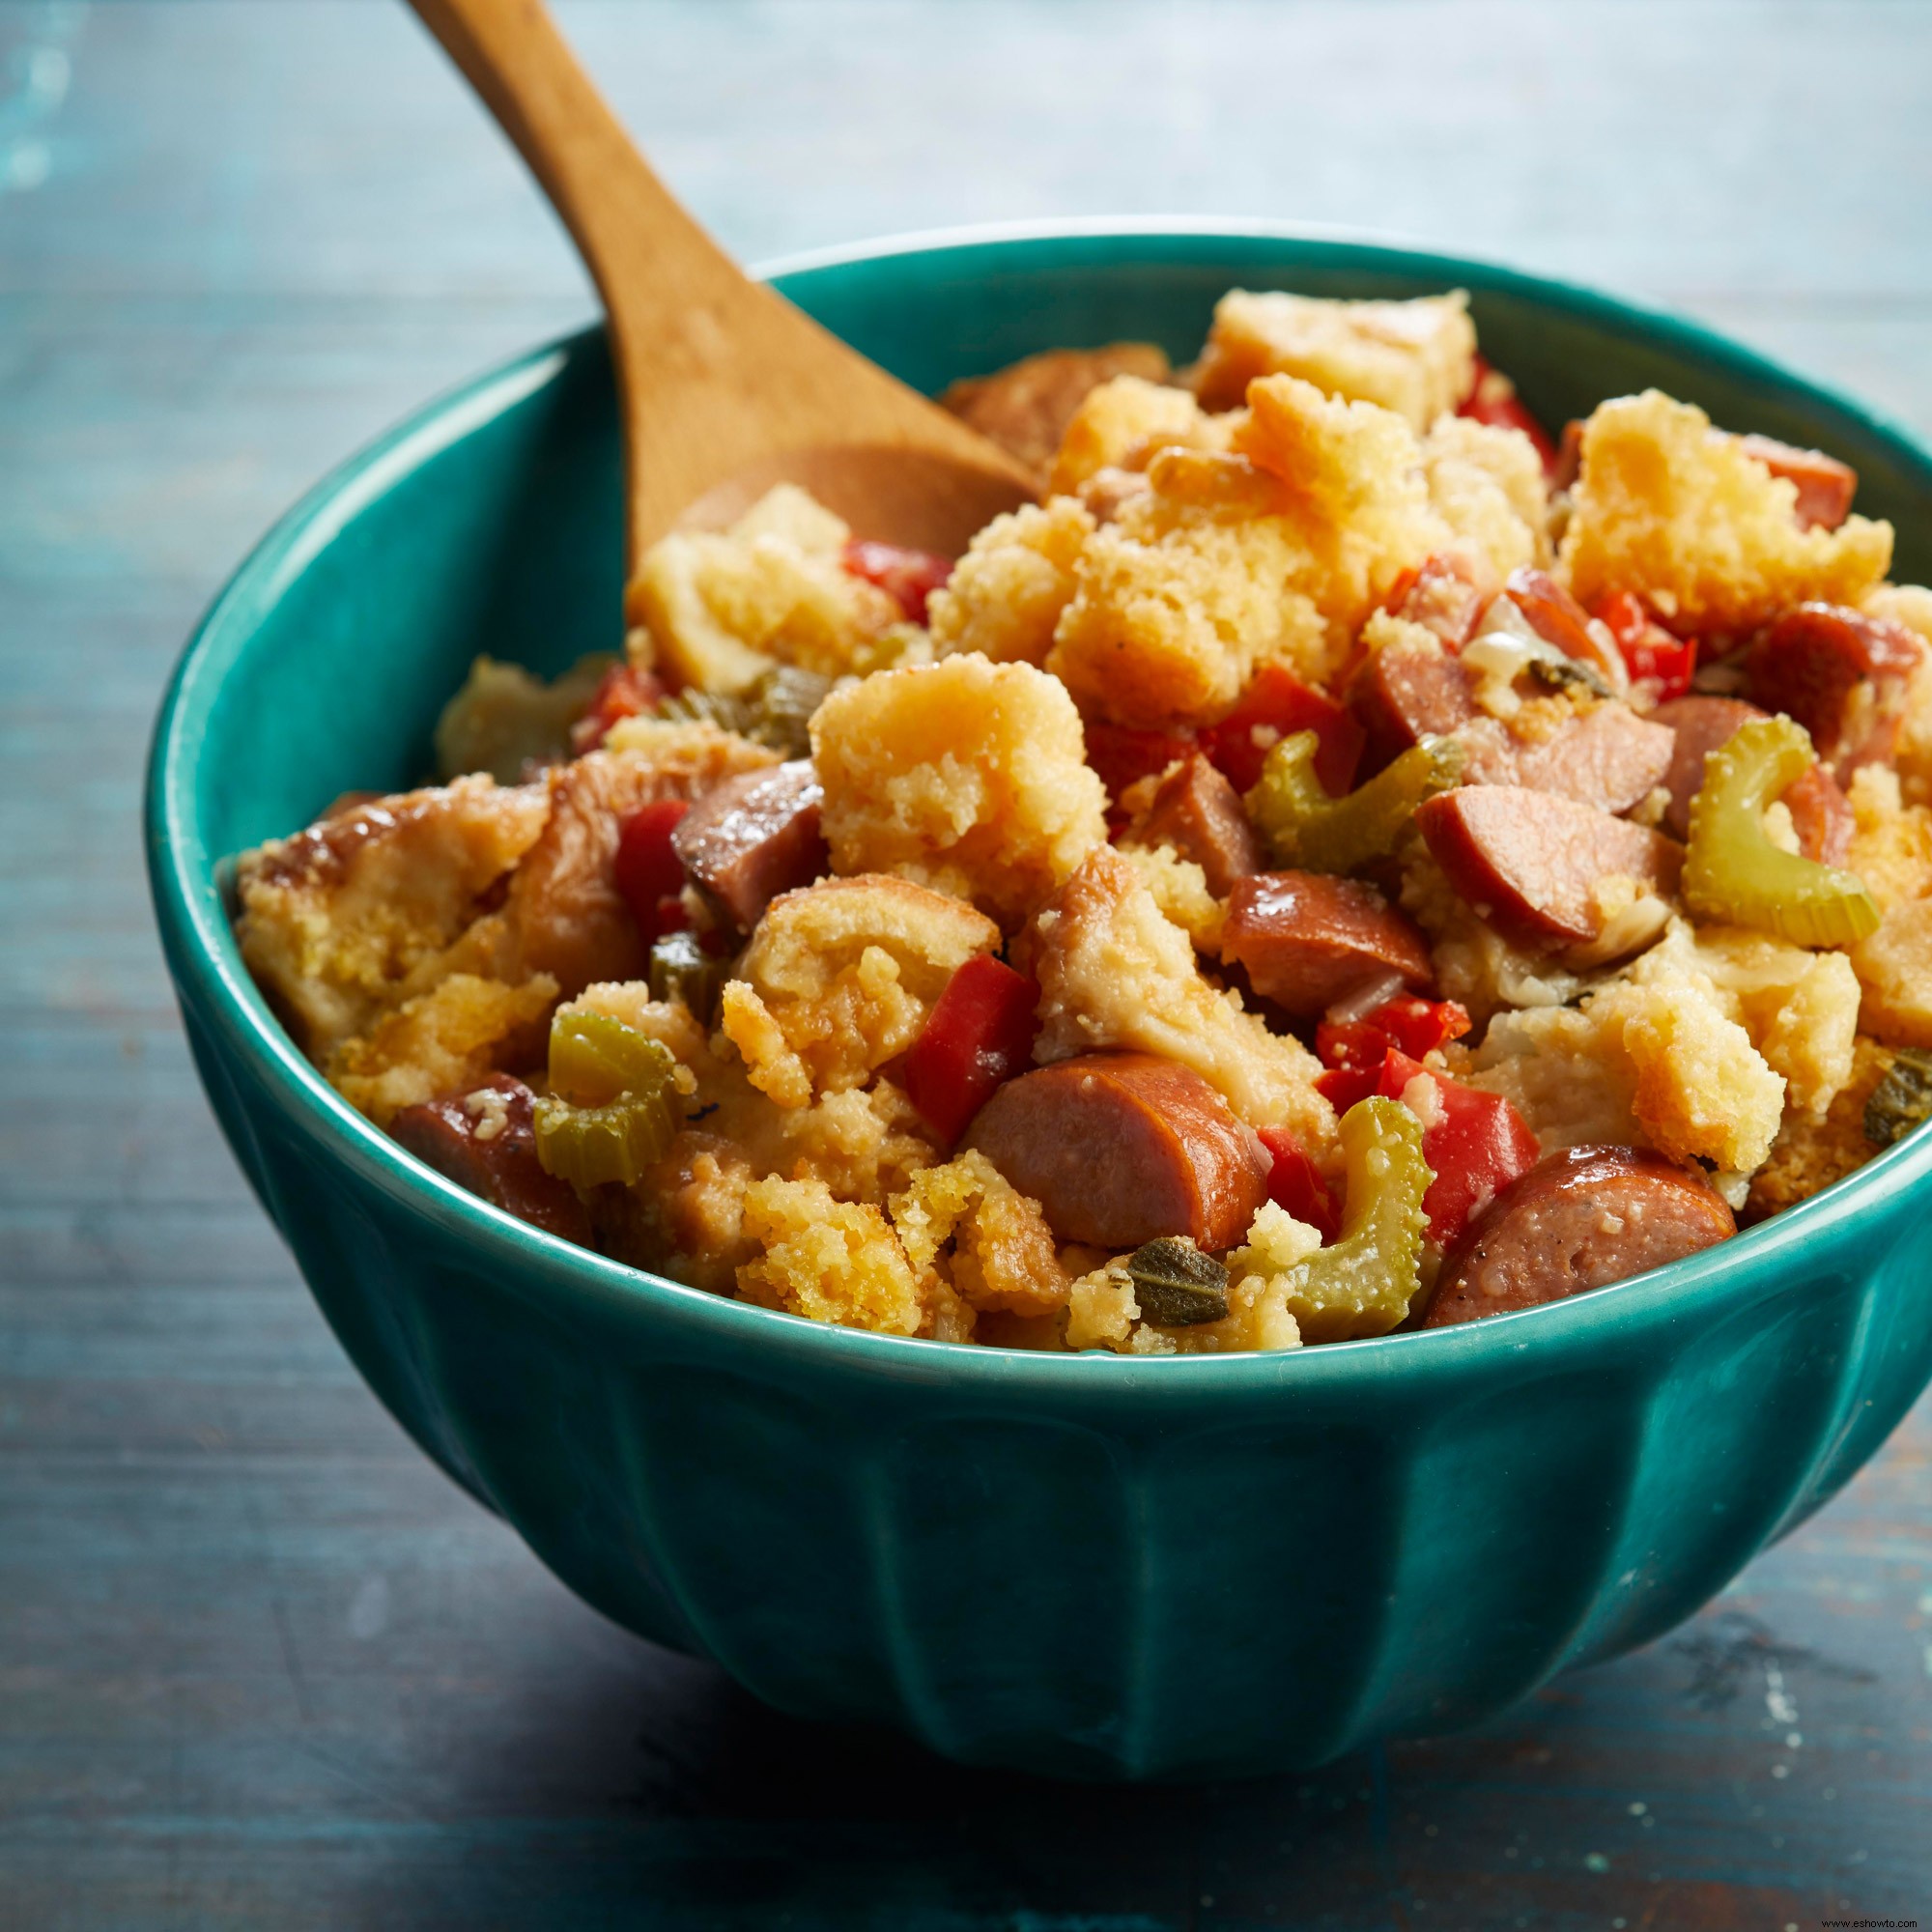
(1530, 862)
(754, 837)
(1307, 939)
(1813, 662)
(1121, 1148)
(1820, 812)
(1825, 486)
(1198, 812)
(1403, 695)
(483, 1140)
(1579, 1219)
(1609, 758)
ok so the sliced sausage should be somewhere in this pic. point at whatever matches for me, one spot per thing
(1820, 812)
(1825, 486)
(1529, 861)
(1441, 596)
(1581, 1219)
(1609, 759)
(1198, 812)
(1121, 1148)
(1026, 407)
(484, 1139)
(1558, 618)
(1307, 940)
(1815, 662)
(1403, 695)
(754, 837)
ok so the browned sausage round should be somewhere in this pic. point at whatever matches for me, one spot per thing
(1825, 486)
(1820, 812)
(1608, 759)
(1403, 696)
(1558, 618)
(1121, 1148)
(1811, 662)
(754, 837)
(1307, 939)
(1197, 811)
(1582, 1218)
(483, 1140)
(1529, 861)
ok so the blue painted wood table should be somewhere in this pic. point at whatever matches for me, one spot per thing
(259, 1664)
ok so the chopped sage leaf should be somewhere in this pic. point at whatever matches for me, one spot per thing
(1903, 1099)
(1177, 1285)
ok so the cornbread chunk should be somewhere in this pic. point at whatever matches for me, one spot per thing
(1180, 890)
(564, 915)
(1006, 594)
(1120, 424)
(443, 1041)
(1911, 604)
(1675, 511)
(966, 776)
(1276, 550)
(1115, 972)
(505, 718)
(1102, 1309)
(1026, 407)
(1487, 484)
(828, 1260)
(841, 976)
(1474, 964)
(1894, 967)
(347, 919)
(1003, 1251)
(1260, 1278)
(1416, 357)
(721, 609)
(1892, 852)
(1810, 1154)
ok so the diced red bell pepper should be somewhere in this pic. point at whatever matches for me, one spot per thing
(1440, 594)
(1416, 1024)
(909, 576)
(1476, 1144)
(623, 692)
(1123, 755)
(1493, 400)
(1295, 1183)
(1343, 1086)
(648, 873)
(979, 1032)
(1274, 706)
(1650, 653)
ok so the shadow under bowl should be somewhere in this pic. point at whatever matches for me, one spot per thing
(1088, 1565)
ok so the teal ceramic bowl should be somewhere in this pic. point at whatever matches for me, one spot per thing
(1086, 1566)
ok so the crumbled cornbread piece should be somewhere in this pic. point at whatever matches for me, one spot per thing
(721, 608)
(1894, 967)
(1122, 423)
(827, 1260)
(1911, 604)
(1006, 594)
(966, 776)
(1276, 551)
(1102, 1309)
(1003, 1255)
(1892, 852)
(1811, 1154)
(840, 977)
(1115, 972)
(1416, 357)
(347, 919)
(1474, 965)
(504, 717)
(440, 1042)
(1179, 889)
(1892, 842)
(1564, 1070)
(1673, 510)
(1487, 484)
(1260, 1278)
(1026, 408)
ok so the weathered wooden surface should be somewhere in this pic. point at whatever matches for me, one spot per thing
(260, 1665)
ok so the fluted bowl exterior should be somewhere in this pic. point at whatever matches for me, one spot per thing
(1089, 1566)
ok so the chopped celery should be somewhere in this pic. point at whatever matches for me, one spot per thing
(612, 1109)
(1314, 832)
(680, 969)
(775, 710)
(1176, 1284)
(1733, 873)
(1364, 1283)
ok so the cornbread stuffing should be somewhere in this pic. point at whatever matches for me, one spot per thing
(1332, 865)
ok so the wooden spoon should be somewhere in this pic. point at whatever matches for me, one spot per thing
(726, 389)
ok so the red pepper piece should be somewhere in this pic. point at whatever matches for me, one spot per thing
(1476, 1146)
(1343, 1086)
(1274, 706)
(623, 692)
(909, 576)
(1295, 1183)
(1440, 595)
(1358, 1046)
(1493, 400)
(1410, 1022)
(1123, 755)
(1650, 653)
(648, 873)
(979, 1032)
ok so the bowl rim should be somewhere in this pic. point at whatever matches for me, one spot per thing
(566, 1280)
